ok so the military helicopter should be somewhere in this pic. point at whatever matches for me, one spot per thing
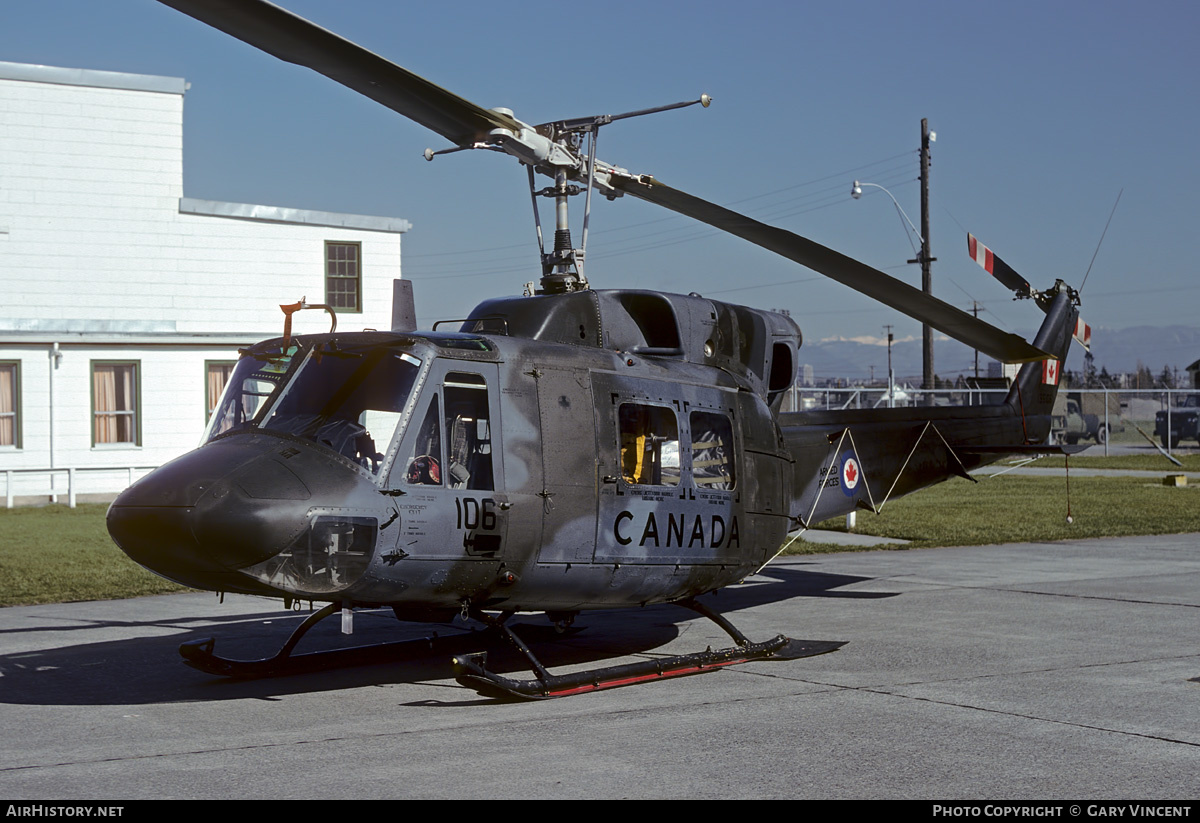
(565, 450)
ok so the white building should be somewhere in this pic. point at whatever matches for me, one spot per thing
(124, 301)
(806, 375)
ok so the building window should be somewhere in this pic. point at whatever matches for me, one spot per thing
(115, 403)
(10, 404)
(343, 276)
(216, 375)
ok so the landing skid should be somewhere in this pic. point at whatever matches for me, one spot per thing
(470, 670)
(199, 654)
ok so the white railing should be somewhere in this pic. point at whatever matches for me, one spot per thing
(72, 474)
(1129, 413)
(862, 397)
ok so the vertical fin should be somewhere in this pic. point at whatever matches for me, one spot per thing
(1036, 385)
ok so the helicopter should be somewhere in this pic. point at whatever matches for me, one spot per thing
(565, 450)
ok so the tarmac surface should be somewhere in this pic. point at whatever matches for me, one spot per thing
(1026, 671)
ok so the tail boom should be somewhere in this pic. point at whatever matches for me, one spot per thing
(849, 459)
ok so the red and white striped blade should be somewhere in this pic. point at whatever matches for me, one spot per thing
(997, 268)
(1083, 333)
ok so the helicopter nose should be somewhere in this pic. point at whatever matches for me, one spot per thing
(204, 516)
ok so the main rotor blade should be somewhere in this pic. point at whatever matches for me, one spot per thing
(1004, 346)
(296, 40)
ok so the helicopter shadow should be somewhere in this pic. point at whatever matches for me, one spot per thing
(789, 582)
(148, 669)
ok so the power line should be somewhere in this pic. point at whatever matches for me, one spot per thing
(644, 223)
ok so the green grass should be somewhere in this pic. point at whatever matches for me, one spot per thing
(1014, 509)
(1151, 461)
(55, 554)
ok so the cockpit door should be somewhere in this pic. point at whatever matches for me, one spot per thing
(567, 424)
(450, 467)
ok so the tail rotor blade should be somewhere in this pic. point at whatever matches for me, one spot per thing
(996, 267)
(1083, 333)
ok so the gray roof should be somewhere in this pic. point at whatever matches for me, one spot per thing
(92, 77)
(281, 214)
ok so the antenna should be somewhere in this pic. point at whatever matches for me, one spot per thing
(1097, 251)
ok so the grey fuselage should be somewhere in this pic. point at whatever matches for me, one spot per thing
(556, 453)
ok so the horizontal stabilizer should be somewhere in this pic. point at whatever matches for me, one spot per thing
(1022, 448)
(952, 321)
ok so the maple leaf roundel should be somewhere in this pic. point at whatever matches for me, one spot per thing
(851, 473)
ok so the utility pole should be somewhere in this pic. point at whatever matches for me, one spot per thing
(975, 311)
(891, 378)
(926, 258)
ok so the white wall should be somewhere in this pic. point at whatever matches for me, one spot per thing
(98, 253)
(90, 183)
(172, 409)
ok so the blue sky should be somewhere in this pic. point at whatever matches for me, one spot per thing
(1043, 112)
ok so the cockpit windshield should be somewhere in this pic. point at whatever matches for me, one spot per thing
(348, 400)
(254, 379)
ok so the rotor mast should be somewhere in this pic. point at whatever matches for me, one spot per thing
(563, 266)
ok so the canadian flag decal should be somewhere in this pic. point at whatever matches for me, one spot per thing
(1050, 372)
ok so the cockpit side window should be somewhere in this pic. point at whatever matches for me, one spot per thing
(468, 432)
(649, 437)
(425, 462)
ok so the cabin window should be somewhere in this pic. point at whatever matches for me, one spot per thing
(468, 432)
(425, 462)
(649, 445)
(10, 405)
(343, 276)
(115, 404)
(712, 451)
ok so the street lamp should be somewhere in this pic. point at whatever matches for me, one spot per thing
(924, 256)
(856, 191)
